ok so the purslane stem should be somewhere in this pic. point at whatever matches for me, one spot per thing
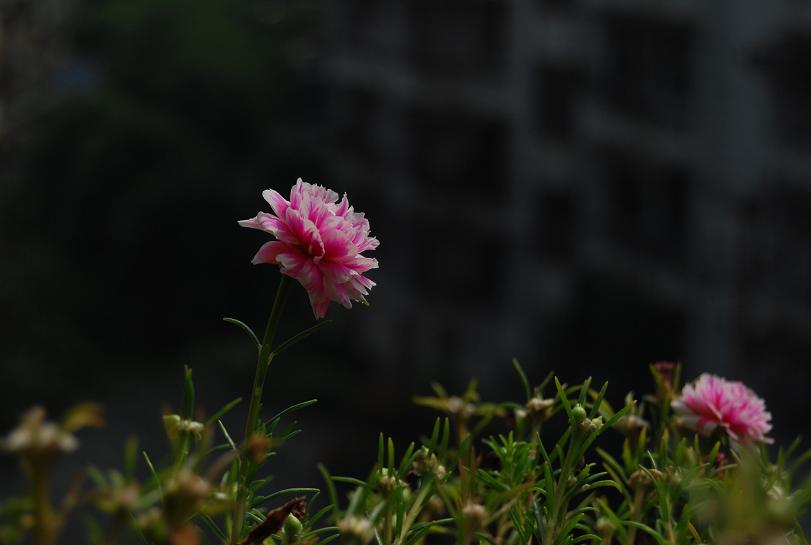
(265, 355)
(43, 513)
(262, 364)
(559, 504)
(636, 510)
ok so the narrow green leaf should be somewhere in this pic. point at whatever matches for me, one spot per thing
(348, 480)
(245, 328)
(130, 456)
(228, 437)
(298, 337)
(564, 400)
(154, 473)
(288, 491)
(223, 411)
(446, 434)
(211, 525)
(333, 496)
(293, 408)
(645, 528)
(523, 377)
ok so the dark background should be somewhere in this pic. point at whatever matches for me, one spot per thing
(588, 185)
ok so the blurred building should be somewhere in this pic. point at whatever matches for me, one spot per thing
(583, 183)
(589, 185)
(32, 47)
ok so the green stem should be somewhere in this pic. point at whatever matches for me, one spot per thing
(276, 310)
(559, 503)
(636, 511)
(388, 527)
(262, 365)
(43, 512)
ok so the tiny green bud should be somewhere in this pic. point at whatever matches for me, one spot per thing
(579, 413)
(292, 528)
(605, 527)
(781, 511)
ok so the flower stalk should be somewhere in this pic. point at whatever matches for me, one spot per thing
(262, 364)
(265, 355)
(44, 520)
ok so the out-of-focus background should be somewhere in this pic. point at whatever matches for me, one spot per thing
(588, 185)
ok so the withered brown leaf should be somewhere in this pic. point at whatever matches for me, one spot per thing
(275, 520)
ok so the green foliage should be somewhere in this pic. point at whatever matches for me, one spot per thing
(467, 480)
(544, 477)
(666, 485)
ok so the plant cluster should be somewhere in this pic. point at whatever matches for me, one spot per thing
(686, 464)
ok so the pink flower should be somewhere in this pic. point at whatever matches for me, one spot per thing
(320, 242)
(714, 402)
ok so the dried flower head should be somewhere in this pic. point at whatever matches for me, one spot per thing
(184, 494)
(320, 243)
(174, 424)
(356, 529)
(425, 462)
(714, 402)
(539, 404)
(475, 516)
(459, 407)
(35, 434)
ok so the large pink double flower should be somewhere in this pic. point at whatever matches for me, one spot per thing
(714, 402)
(320, 242)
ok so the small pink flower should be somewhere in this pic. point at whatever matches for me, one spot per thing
(714, 402)
(320, 242)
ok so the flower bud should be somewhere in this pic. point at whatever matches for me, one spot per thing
(459, 407)
(425, 462)
(184, 494)
(605, 527)
(35, 435)
(387, 482)
(119, 499)
(632, 423)
(539, 405)
(440, 472)
(292, 528)
(781, 511)
(152, 525)
(578, 414)
(174, 425)
(356, 530)
(665, 372)
(193, 427)
(475, 516)
(259, 446)
(435, 505)
(597, 423)
(641, 478)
